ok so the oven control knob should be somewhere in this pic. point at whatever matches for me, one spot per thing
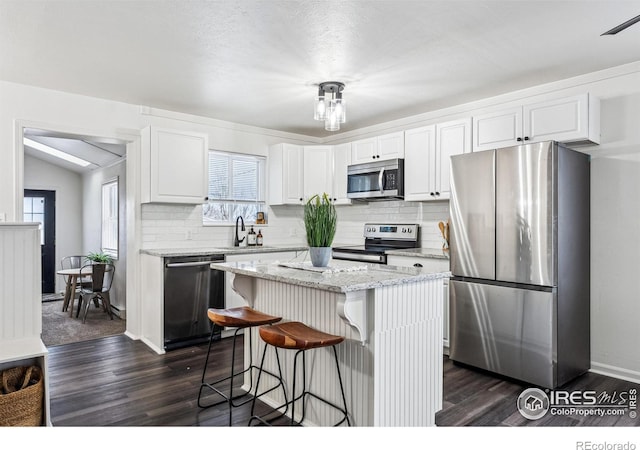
(404, 230)
(410, 230)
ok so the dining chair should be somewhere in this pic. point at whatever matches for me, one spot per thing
(98, 290)
(73, 262)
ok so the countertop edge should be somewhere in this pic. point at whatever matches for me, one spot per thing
(409, 278)
(168, 252)
(430, 253)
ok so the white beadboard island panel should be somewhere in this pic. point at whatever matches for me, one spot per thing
(391, 359)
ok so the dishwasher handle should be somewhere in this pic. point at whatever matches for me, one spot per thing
(191, 264)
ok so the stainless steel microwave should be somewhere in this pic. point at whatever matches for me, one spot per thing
(379, 180)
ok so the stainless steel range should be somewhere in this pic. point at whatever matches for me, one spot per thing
(378, 238)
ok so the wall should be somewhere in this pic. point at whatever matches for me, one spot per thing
(615, 215)
(39, 174)
(91, 217)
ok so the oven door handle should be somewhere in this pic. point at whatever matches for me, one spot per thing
(381, 181)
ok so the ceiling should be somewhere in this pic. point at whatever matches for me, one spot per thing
(97, 152)
(259, 62)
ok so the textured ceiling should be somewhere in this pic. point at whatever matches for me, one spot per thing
(258, 62)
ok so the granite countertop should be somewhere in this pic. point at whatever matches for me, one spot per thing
(435, 253)
(340, 276)
(169, 252)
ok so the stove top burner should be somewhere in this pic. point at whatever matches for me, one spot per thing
(378, 239)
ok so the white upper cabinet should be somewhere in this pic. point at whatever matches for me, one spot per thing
(297, 173)
(175, 166)
(341, 160)
(573, 119)
(285, 174)
(428, 152)
(452, 138)
(318, 170)
(387, 146)
(419, 161)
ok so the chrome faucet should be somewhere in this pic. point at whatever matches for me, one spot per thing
(236, 242)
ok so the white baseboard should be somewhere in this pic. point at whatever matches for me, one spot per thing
(615, 372)
(122, 313)
(152, 346)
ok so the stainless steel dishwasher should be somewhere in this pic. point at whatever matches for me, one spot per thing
(190, 288)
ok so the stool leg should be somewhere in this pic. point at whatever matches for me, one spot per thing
(280, 383)
(344, 399)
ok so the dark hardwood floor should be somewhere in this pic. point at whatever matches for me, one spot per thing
(116, 381)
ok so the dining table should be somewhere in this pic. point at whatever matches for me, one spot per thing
(72, 276)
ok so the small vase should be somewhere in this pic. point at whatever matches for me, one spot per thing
(320, 256)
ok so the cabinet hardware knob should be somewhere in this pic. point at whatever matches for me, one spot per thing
(519, 139)
(526, 138)
(300, 198)
(437, 193)
(417, 265)
(206, 199)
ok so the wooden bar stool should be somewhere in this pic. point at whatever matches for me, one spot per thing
(241, 318)
(300, 337)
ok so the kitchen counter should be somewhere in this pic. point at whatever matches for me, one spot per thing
(170, 252)
(391, 318)
(434, 253)
(340, 276)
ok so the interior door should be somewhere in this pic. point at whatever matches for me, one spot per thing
(40, 206)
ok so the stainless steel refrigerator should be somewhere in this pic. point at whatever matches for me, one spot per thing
(519, 248)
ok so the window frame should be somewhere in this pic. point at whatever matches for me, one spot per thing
(261, 188)
(110, 222)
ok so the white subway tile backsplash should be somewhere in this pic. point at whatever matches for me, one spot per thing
(168, 226)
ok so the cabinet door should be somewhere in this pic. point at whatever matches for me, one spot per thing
(562, 120)
(318, 170)
(391, 146)
(452, 138)
(178, 166)
(419, 163)
(364, 150)
(293, 172)
(497, 129)
(341, 160)
(284, 176)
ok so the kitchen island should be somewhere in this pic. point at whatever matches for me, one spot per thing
(391, 318)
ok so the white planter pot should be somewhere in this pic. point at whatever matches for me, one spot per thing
(320, 256)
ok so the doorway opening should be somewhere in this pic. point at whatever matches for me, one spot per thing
(74, 169)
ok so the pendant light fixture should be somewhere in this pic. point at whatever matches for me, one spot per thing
(330, 106)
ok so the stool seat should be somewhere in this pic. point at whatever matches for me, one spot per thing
(241, 317)
(297, 336)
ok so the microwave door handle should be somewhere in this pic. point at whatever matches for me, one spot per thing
(381, 181)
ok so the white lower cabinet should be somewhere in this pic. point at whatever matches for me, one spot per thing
(429, 265)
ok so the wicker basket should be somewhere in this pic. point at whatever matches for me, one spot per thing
(21, 396)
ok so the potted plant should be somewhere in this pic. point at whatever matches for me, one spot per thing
(320, 220)
(99, 258)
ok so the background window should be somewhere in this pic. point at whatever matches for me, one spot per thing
(236, 188)
(110, 218)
